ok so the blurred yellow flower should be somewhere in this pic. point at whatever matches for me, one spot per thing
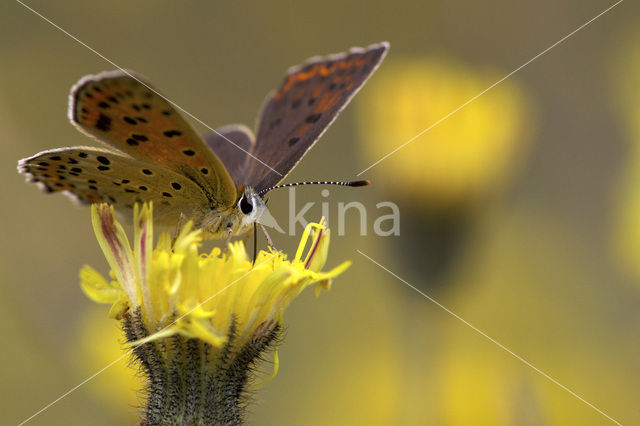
(626, 233)
(102, 342)
(466, 156)
(543, 301)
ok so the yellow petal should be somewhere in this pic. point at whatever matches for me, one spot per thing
(115, 246)
(317, 256)
(97, 288)
(120, 307)
(142, 252)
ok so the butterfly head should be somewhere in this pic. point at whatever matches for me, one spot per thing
(250, 208)
(237, 219)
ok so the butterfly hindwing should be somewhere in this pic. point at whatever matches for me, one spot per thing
(125, 112)
(232, 143)
(93, 175)
(305, 105)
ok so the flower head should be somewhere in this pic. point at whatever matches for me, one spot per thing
(470, 149)
(227, 308)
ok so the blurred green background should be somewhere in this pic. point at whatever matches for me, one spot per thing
(520, 213)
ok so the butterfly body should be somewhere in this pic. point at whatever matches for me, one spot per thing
(153, 154)
(235, 220)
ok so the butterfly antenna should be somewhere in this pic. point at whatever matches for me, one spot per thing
(287, 185)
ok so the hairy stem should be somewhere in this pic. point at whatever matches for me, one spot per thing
(191, 383)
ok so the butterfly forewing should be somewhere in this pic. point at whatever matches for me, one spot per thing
(305, 105)
(129, 115)
(232, 143)
(99, 175)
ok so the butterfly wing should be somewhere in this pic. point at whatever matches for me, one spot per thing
(310, 98)
(129, 115)
(232, 155)
(93, 175)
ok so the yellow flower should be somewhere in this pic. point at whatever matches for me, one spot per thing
(626, 228)
(178, 304)
(468, 155)
(546, 302)
(206, 292)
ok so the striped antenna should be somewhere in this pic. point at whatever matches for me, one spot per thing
(286, 185)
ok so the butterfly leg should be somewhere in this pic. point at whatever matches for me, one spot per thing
(269, 241)
(228, 238)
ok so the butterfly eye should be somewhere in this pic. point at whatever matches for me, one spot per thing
(245, 205)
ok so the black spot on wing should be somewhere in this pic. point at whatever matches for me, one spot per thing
(313, 118)
(103, 123)
(172, 133)
(104, 160)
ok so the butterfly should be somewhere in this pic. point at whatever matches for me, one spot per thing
(219, 182)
